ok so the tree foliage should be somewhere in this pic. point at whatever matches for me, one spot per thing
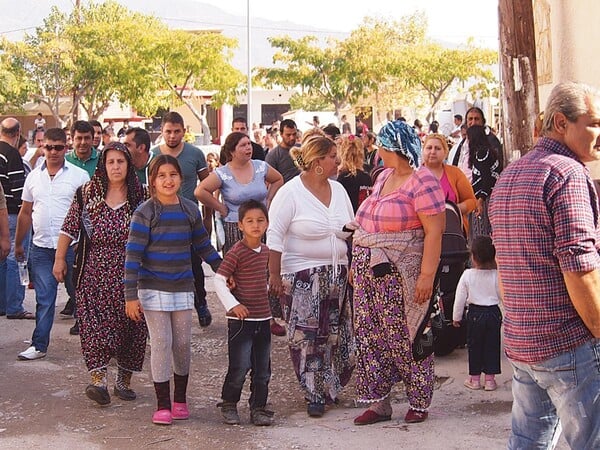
(324, 75)
(184, 62)
(103, 52)
(381, 61)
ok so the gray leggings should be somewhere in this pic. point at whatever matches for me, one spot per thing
(170, 338)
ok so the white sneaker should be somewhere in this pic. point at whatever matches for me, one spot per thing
(30, 354)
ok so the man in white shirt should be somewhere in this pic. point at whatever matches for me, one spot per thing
(47, 196)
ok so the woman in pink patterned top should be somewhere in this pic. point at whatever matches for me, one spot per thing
(395, 258)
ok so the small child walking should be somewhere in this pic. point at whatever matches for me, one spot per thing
(249, 315)
(159, 282)
(478, 288)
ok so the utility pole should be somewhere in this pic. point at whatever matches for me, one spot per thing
(520, 101)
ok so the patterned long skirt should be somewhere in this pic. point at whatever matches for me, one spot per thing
(384, 351)
(320, 335)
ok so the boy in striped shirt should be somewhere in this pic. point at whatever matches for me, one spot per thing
(249, 315)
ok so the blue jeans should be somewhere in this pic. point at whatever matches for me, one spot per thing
(42, 261)
(12, 292)
(249, 344)
(561, 392)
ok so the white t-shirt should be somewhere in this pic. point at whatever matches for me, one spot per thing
(40, 122)
(476, 287)
(306, 232)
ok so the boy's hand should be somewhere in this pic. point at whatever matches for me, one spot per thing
(455, 324)
(231, 283)
(239, 311)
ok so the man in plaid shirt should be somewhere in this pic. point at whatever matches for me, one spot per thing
(545, 225)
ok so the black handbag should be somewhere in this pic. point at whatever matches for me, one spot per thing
(425, 340)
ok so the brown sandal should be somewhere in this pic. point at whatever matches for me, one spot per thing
(22, 315)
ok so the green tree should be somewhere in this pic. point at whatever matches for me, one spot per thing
(109, 58)
(434, 69)
(329, 76)
(13, 83)
(185, 62)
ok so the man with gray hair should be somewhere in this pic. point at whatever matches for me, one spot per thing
(546, 228)
(12, 177)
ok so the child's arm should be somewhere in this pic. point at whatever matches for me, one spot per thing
(232, 306)
(460, 300)
(139, 236)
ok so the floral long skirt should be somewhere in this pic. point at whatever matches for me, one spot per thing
(320, 334)
(384, 351)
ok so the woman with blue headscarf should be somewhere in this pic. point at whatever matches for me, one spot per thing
(395, 259)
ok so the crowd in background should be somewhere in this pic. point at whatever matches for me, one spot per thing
(347, 230)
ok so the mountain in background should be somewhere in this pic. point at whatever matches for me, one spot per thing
(183, 14)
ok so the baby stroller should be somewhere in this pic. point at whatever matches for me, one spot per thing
(455, 253)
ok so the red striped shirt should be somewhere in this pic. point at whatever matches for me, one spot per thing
(249, 270)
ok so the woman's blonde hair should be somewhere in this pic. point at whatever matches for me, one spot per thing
(439, 137)
(352, 154)
(313, 147)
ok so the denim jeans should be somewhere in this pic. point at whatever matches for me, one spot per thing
(561, 392)
(42, 261)
(12, 292)
(249, 344)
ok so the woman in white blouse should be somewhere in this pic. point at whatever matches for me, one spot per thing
(310, 218)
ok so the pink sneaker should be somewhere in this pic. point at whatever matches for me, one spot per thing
(179, 411)
(162, 417)
(490, 385)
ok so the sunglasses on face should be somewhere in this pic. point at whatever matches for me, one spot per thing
(57, 147)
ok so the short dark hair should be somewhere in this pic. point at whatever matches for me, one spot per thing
(56, 134)
(83, 126)
(173, 117)
(250, 205)
(95, 123)
(331, 131)
(287, 123)
(140, 136)
(483, 250)
(239, 119)
(458, 116)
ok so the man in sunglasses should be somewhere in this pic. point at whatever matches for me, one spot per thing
(12, 177)
(47, 195)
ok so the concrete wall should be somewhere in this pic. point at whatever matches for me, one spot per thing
(567, 39)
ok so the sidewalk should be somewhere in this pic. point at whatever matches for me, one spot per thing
(43, 405)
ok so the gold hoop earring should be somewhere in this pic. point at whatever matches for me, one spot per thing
(319, 170)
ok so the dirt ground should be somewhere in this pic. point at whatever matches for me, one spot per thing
(43, 404)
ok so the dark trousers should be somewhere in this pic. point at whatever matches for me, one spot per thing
(249, 344)
(483, 339)
(200, 294)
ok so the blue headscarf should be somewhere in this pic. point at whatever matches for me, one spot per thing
(398, 136)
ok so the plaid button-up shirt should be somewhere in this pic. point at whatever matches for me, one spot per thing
(544, 216)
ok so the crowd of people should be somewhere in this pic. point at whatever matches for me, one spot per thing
(339, 236)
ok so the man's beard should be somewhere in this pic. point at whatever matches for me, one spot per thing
(172, 147)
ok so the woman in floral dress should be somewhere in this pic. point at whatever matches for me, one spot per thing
(104, 206)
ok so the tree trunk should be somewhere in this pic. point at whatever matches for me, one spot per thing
(520, 102)
(206, 137)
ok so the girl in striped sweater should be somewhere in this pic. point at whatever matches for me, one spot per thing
(159, 282)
